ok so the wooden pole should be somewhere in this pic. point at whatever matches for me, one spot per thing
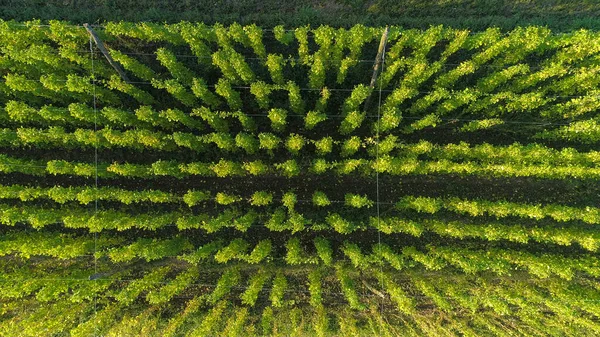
(378, 61)
(102, 48)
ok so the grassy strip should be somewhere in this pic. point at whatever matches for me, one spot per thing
(559, 15)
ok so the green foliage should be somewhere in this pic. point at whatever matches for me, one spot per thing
(353, 252)
(278, 119)
(175, 286)
(289, 168)
(268, 141)
(324, 145)
(324, 250)
(481, 125)
(278, 290)
(340, 224)
(296, 102)
(200, 89)
(133, 290)
(255, 286)
(313, 118)
(201, 254)
(266, 321)
(178, 70)
(350, 146)
(261, 92)
(226, 168)
(403, 301)
(357, 201)
(192, 198)
(211, 320)
(227, 281)
(256, 167)
(295, 253)
(175, 88)
(320, 166)
(213, 119)
(289, 200)
(295, 143)
(320, 199)
(232, 97)
(348, 288)
(275, 64)
(261, 198)
(276, 221)
(315, 288)
(351, 122)
(260, 252)
(235, 250)
(587, 132)
(226, 199)
(149, 249)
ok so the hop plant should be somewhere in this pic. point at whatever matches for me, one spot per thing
(296, 101)
(430, 120)
(221, 59)
(228, 280)
(385, 146)
(294, 252)
(314, 287)
(233, 98)
(316, 76)
(200, 89)
(226, 199)
(261, 198)
(226, 168)
(282, 36)
(192, 198)
(255, 285)
(278, 119)
(313, 118)
(256, 167)
(289, 200)
(280, 284)
(295, 143)
(261, 92)
(351, 122)
(340, 224)
(320, 166)
(166, 168)
(324, 145)
(353, 252)
(357, 97)
(260, 252)
(357, 201)
(324, 250)
(420, 204)
(351, 146)
(213, 119)
(176, 89)
(224, 141)
(289, 168)
(276, 220)
(268, 141)
(255, 35)
(275, 65)
(320, 199)
(247, 142)
(297, 222)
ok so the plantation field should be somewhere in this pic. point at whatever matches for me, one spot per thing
(209, 180)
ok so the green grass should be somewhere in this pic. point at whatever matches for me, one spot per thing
(559, 15)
